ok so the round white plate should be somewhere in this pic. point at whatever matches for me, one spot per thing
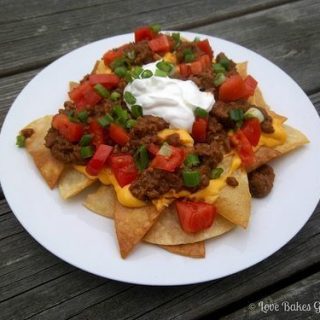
(88, 241)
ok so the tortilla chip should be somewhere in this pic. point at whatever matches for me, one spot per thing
(242, 69)
(102, 201)
(295, 139)
(49, 167)
(73, 182)
(167, 230)
(234, 204)
(132, 224)
(100, 68)
(193, 250)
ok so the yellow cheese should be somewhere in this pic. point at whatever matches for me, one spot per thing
(101, 68)
(278, 137)
(170, 57)
(184, 135)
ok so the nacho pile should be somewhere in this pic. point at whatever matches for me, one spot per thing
(167, 174)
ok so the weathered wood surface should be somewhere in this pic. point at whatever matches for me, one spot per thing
(34, 284)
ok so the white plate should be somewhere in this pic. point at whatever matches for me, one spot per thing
(88, 241)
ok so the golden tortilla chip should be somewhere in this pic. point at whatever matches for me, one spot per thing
(73, 182)
(102, 201)
(295, 139)
(242, 69)
(193, 250)
(100, 68)
(49, 167)
(132, 224)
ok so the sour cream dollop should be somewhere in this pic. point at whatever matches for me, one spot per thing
(173, 100)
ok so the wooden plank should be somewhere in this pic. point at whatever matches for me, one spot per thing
(288, 35)
(34, 42)
(297, 301)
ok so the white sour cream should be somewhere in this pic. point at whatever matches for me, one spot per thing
(171, 99)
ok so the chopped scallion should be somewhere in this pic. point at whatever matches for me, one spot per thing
(136, 111)
(146, 74)
(225, 62)
(199, 112)
(101, 90)
(189, 57)
(83, 116)
(165, 150)
(216, 173)
(115, 96)
(237, 115)
(156, 28)
(21, 141)
(219, 79)
(141, 158)
(131, 123)
(219, 68)
(136, 71)
(85, 140)
(129, 98)
(176, 37)
(120, 71)
(164, 66)
(160, 73)
(86, 152)
(192, 160)
(191, 178)
(105, 121)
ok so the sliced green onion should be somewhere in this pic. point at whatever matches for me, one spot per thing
(160, 73)
(199, 112)
(131, 54)
(146, 74)
(120, 71)
(118, 62)
(136, 111)
(83, 116)
(165, 150)
(71, 116)
(115, 95)
(216, 173)
(21, 141)
(192, 160)
(128, 77)
(105, 121)
(121, 115)
(176, 37)
(164, 66)
(141, 158)
(254, 113)
(237, 115)
(191, 178)
(219, 79)
(131, 123)
(219, 68)
(189, 57)
(101, 90)
(86, 152)
(225, 62)
(85, 140)
(136, 71)
(156, 28)
(129, 98)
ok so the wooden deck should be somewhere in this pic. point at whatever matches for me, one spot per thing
(34, 284)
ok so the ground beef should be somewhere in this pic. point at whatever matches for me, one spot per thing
(266, 125)
(186, 46)
(174, 140)
(232, 181)
(221, 111)
(210, 154)
(232, 68)
(261, 181)
(153, 183)
(217, 133)
(69, 106)
(62, 149)
(148, 125)
(142, 52)
(27, 132)
(204, 81)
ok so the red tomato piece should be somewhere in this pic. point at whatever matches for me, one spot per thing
(232, 89)
(252, 130)
(70, 130)
(205, 47)
(196, 67)
(99, 159)
(153, 148)
(195, 216)
(170, 163)
(243, 147)
(199, 129)
(118, 134)
(110, 81)
(250, 84)
(185, 70)
(97, 131)
(144, 33)
(123, 168)
(205, 62)
(160, 44)
(111, 55)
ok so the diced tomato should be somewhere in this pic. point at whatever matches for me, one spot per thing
(170, 163)
(185, 70)
(70, 130)
(118, 134)
(97, 131)
(195, 216)
(84, 95)
(123, 168)
(98, 160)
(199, 129)
(205, 62)
(144, 33)
(205, 47)
(110, 81)
(160, 44)
(252, 130)
(111, 55)
(153, 149)
(250, 84)
(243, 147)
(232, 89)
(196, 67)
